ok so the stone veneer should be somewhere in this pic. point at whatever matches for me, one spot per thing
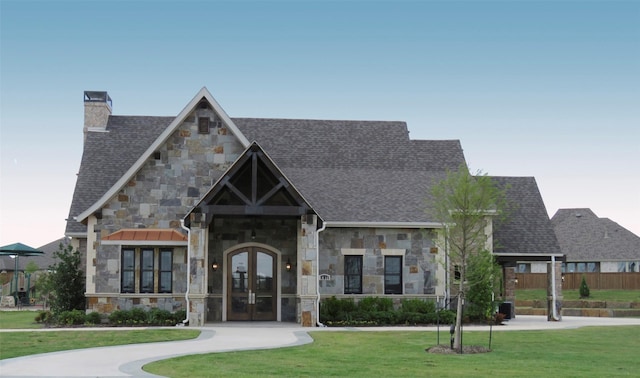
(422, 273)
(158, 196)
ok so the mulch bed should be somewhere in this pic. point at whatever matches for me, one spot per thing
(466, 349)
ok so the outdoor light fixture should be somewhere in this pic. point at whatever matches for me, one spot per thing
(214, 266)
(516, 281)
(288, 265)
(253, 234)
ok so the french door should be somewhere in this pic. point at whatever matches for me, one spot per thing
(251, 284)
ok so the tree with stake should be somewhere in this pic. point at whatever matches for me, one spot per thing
(466, 206)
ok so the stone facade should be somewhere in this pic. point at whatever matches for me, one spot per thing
(170, 182)
(422, 272)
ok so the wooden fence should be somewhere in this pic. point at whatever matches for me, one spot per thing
(595, 281)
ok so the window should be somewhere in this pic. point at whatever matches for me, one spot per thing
(524, 268)
(203, 125)
(456, 273)
(592, 267)
(353, 274)
(393, 274)
(166, 265)
(581, 267)
(138, 267)
(146, 270)
(128, 271)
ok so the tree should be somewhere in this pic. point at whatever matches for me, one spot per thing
(465, 205)
(584, 288)
(483, 282)
(66, 279)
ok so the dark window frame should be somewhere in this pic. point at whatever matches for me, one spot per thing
(128, 271)
(353, 274)
(147, 280)
(204, 125)
(165, 271)
(396, 276)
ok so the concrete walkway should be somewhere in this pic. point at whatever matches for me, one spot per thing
(127, 360)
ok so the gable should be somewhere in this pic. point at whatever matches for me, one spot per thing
(253, 186)
(114, 157)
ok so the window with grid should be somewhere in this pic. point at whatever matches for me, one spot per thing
(127, 279)
(146, 271)
(393, 274)
(353, 274)
(166, 265)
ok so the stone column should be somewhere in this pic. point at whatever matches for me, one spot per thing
(308, 272)
(197, 284)
(557, 267)
(510, 287)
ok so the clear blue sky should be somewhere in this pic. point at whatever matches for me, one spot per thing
(549, 89)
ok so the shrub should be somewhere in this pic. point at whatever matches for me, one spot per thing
(336, 309)
(138, 315)
(179, 316)
(94, 318)
(119, 317)
(73, 317)
(584, 288)
(45, 317)
(375, 304)
(160, 317)
(418, 305)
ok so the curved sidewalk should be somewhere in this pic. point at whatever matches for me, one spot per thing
(127, 360)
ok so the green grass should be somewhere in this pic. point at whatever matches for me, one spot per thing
(18, 320)
(16, 344)
(585, 352)
(595, 295)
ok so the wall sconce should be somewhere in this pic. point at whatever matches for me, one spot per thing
(562, 277)
(214, 266)
(288, 265)
(516, 281)
(253, 234)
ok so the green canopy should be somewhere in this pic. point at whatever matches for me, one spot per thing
(19, 249)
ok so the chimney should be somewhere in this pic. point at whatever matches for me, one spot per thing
(97, 109)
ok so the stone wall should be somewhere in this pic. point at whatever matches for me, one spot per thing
(422, 271)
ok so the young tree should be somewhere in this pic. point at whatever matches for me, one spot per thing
(483, 282)
(67, 280)
(466, 205)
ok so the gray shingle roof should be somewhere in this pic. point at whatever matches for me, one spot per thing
(527, 229)
(107, 156)
(585, 237)
(348, 170)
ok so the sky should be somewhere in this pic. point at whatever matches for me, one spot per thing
(549, 89)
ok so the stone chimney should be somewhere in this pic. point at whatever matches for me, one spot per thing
(97, 109)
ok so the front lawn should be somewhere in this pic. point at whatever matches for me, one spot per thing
(19, 320)
(585, 352)
(572, 295)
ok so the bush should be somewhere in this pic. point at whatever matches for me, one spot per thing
(179, 316)
(376, 311)
(45, 317)
(94, 318)
(375, 304)
(160, 317)
(73, 317)
(584, 288)
(418, 305)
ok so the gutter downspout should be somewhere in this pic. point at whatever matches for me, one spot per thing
(324, 225)
(186, 294)
(553, 288)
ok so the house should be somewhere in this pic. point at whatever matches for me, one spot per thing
(259, 219)
(594, 244)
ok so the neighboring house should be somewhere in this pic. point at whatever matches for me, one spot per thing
(594, 244)
(258, 219)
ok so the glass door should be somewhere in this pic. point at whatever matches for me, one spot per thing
(251, 285)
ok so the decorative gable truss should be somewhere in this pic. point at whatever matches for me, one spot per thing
(253, 186)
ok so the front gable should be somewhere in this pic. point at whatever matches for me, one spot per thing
(254, 185)
(184, 140)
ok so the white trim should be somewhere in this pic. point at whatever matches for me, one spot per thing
(513, 254)
(393, 251)
(131, 172)
(164, 243)
(76, 235)
(353, 251)
(333, 224)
